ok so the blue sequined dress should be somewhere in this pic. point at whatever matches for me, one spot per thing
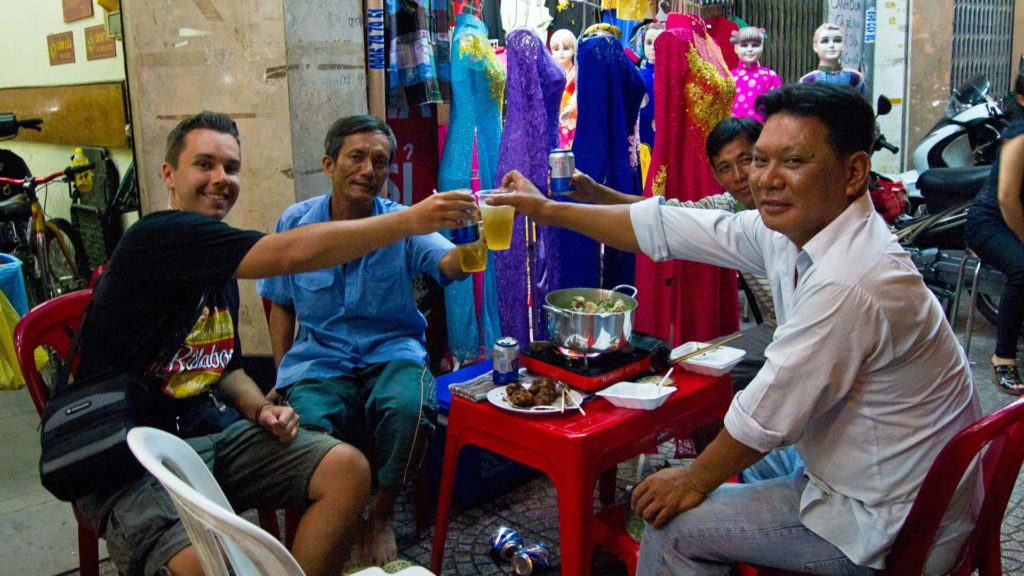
(478, 85)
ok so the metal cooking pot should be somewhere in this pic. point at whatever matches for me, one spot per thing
(590, 332)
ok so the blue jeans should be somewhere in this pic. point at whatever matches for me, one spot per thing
(757, 523)
(997, 245)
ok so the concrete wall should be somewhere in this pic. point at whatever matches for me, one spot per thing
(25, 63)
(889, 78)
(928, 64)
(185, 57)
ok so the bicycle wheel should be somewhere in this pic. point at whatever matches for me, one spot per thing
(65, 272)
(31, 269)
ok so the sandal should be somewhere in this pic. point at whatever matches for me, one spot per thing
(1006, 378)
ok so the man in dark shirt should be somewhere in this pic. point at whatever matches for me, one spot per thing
(167, 309)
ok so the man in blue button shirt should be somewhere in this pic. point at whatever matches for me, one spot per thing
(358, 363)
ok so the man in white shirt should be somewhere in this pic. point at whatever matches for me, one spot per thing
(864, 376)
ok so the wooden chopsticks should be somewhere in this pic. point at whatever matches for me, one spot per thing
(700, 351)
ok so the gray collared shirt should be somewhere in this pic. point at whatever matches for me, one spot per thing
(864, 374)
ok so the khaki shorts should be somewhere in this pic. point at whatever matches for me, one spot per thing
(141, 525)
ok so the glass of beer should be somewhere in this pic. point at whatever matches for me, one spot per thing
(497, 220)
(470, 245)
(473, 256)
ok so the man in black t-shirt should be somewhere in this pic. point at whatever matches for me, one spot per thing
(167, 309)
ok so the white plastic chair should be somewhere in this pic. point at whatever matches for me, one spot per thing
(410, 571)
(217, 533)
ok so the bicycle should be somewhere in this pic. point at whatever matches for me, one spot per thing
(51, 250)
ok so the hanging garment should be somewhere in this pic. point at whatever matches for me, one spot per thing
(683, 301)
(567, 114)
(529, 13)
(636, 10)
(418, 63)
(721, 30)
(607, 146)
(624, 28)
(529, 269)
(478, 89)
(573, 16)
(647, 112)
(751, 82)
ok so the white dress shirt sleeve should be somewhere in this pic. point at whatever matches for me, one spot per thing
(710, 236)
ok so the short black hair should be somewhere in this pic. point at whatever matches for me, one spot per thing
(728, 130)
(847, 115)
(1018, 86)
(352, 125)
(204, 120)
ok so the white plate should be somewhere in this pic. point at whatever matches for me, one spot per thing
(500, 399)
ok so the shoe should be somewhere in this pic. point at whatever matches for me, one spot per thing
(1006, 378)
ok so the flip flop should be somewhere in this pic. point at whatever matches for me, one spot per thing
(1006, 378)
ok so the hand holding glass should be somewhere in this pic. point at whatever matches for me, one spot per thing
(497, 220)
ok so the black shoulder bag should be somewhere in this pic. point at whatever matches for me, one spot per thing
(85, 430)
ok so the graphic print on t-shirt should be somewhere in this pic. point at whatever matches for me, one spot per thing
(202, 357)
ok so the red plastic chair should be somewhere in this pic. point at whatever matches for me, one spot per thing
(53, 323)
(96, 273)
(1003, 434)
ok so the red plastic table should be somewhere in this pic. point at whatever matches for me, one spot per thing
(574, 450)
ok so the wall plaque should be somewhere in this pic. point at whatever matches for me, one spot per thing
(77, 9)
(61, 48)
(98, 45)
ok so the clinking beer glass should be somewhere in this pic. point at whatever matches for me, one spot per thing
(470, 245)
(497, 220)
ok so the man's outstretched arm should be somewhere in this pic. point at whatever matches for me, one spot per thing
(331, 243)
(610, 225)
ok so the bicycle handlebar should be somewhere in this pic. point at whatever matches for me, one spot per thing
(68, 172)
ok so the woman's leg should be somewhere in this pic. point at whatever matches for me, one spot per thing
(1000, 248)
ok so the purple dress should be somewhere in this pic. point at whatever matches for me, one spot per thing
(533, 94)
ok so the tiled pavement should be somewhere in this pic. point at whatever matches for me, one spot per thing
(37, 534)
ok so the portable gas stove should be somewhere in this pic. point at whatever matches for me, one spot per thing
(643, 354)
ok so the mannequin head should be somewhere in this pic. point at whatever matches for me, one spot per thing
(749, 44)
(563, 48)
(650, 35)
(828, 45)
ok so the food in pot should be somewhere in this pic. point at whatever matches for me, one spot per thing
(581, 304)
(542, 393)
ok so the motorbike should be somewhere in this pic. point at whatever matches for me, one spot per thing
(968, 133)
(954, 160)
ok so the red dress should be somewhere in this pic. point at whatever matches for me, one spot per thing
(682, 301)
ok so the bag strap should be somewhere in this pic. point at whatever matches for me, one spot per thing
(63, 384)
(65, 371)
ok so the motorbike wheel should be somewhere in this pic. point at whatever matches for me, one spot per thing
(66, 272)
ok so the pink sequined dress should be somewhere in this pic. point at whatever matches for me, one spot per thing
(751, 82)
(682, 301)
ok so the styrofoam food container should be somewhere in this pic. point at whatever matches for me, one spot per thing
(638, 396)
(713, 362)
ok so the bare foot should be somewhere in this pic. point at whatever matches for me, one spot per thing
(379, 546)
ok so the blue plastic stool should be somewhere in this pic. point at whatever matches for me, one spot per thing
(12, 283)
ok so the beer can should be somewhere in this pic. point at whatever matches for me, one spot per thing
(467, 234)
(563, 165)
(505, 542)
(531, 559)
(505, 358)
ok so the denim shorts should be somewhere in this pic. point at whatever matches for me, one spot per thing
(254, 469)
